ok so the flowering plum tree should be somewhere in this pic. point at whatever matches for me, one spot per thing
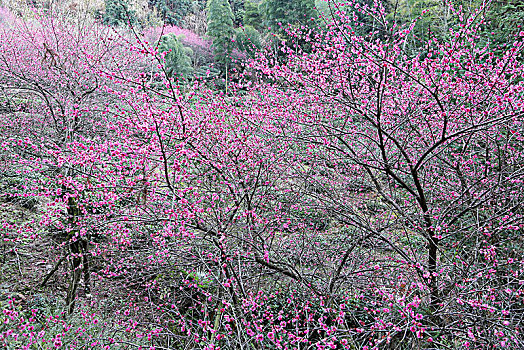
(344, 196)
(53, 87)
(397, 147)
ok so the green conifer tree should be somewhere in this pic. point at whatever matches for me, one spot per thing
(118, 13)
(248, 40)
(172, 11)
(282, 12)
(177, 58)
(252, 15)
(220, 29)
(238, 9)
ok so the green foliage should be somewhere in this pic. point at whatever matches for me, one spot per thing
(220, 29)
(118, 13)
(201, 279)
(237, 6)
(502, 19)
(433, 23)
(177, 58)
(172, 11)
(294, 12)
(252, 15)
(506, 18)
(248, 40)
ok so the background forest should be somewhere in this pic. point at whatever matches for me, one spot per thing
(275, 174)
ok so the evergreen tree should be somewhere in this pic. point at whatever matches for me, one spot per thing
(252, 15)
(248, 40)
(172, 11)
(502, 19)
(433, 23)
(118, 13)
(238, 8)
(220, 29)
(505, 19)
(177, 58)
(282, 12)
